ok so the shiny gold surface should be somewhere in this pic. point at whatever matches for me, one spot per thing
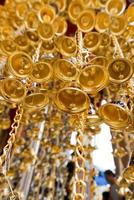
(67, 46)
(118, 25)
(93, 78)
(120, 70)
(72, 100)
(86, 20)
(41, 72)
(66, 68)
(114, 7)
(74, 9)
(60, 25)
(47, 14)
(8, 46)
(46, 31)
(102, 22)
(32, 21)
(114, 115)
(20, 64)
(92, 40)
(15, 93)
(36, 100)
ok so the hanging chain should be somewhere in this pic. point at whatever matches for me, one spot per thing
(79, 187)
(84, 56)
(20, 31)
(79, 41)
(118, 49)
(6, 155)
(36, 56)
(13, 195)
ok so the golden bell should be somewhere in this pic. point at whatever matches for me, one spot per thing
(92, 40)
(105, 40)
(32, 37)
(117, 25)
(65, 70)
(60, 25)
(93, 78)
(15, 93)
(36, 5)
(72, 100)
(130, 13)
(61, 4)
(15, 21)
(6, 31)
(114, 115)
(115, 8)
(8, 46)
(21, 9)
(120, 70)
(35, 101)
(86, 20)
(47, 14)
(22, 42)
(31, 21)
(48, 46)
(41, 72)
(46, 31)
(74, 9)
(102, 22)
(67, 46)
(20, 64)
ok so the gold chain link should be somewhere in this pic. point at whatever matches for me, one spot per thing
(79, 41)
(79, 186)
(80, 172)
(118, 49)
(6, 155)
(37, 52)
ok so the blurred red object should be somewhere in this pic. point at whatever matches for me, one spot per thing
(2, 2)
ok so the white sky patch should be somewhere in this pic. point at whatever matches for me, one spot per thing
(103, 157)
